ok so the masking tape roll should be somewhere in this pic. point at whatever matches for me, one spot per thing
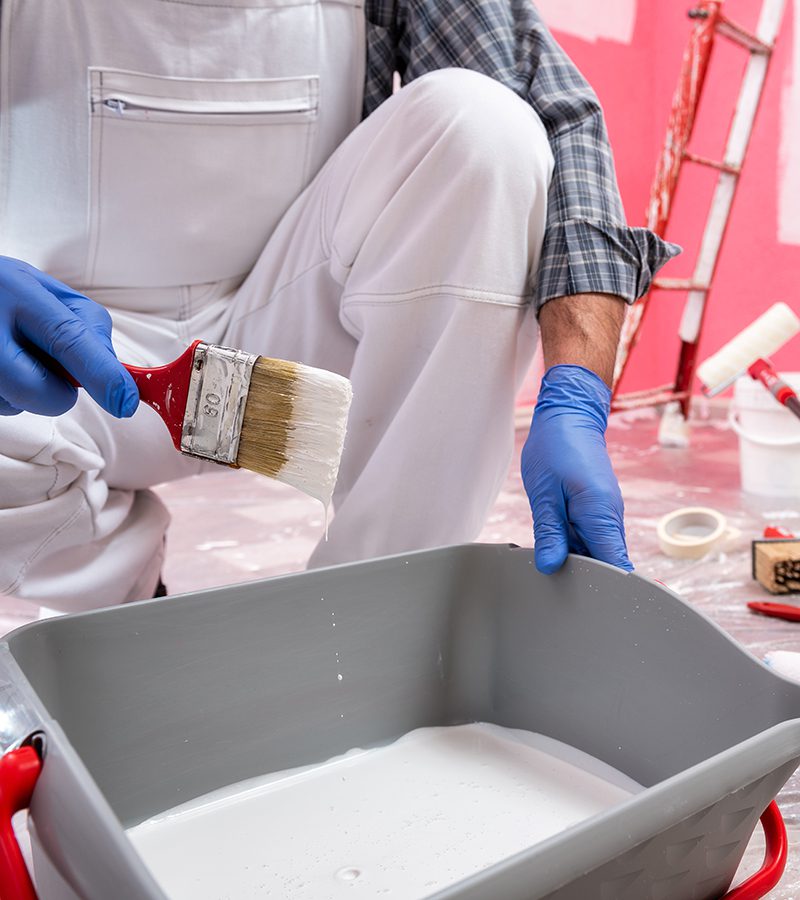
(692, 532)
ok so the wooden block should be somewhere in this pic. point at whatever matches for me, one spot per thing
(776, 565)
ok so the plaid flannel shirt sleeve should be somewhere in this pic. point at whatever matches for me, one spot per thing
(588, 247)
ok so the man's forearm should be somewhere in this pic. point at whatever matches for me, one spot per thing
(583, 330)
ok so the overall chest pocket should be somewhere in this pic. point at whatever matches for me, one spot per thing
(189, 177)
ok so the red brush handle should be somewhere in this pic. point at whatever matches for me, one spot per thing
(165, 388)
(775, 855)
(19, 770)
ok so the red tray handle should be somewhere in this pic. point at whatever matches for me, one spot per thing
(775, 853)
(19, 770)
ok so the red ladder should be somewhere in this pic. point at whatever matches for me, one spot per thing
(709, 22)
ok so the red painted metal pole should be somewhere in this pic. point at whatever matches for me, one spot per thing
(681, 121)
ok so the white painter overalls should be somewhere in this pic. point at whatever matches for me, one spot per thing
(199, 169)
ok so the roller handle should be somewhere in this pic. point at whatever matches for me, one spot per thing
(762, 371)
(775, 531)
(776, 610)
(19, 770)
(775, 855)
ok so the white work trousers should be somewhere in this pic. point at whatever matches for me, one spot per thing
(406, 265)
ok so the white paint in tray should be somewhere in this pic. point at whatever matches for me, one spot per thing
(400, 821)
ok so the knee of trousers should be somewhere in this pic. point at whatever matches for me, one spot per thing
(489, 132)
(61, 524)
(449, 197)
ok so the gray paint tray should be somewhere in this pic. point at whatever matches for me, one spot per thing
(146, 706)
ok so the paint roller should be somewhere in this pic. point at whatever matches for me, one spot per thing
(748, 354)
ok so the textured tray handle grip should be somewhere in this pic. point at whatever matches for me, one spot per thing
(775, 855)
(19, 770)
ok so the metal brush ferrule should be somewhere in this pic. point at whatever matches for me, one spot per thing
(215, 404)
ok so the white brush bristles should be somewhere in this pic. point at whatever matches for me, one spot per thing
(315, 439)
(294, 425)
(767, 334)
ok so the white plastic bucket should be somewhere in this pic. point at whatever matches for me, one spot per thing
(769, 439)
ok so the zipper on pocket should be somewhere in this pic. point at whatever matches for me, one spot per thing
(123, 103)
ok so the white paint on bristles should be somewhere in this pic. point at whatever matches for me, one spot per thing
(407, 819)
(316, 440)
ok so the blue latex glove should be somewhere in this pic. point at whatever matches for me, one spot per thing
(573, 492)
(40, 316)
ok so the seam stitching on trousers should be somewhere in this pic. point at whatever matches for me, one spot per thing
(272, 297)
(307, 128)
(427, 288)
(51, 537)
(44, 446)
(323, 218)
(54, 483)
(519, 304)
(354, 331)
(56, 475)
(348, 267)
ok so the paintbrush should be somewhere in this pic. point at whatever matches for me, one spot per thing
(278, 418)
(747, 353)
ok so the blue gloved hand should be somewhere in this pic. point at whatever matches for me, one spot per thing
(573, 492)
(38, 312)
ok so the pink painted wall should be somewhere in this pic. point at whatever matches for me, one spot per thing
(630, 50)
